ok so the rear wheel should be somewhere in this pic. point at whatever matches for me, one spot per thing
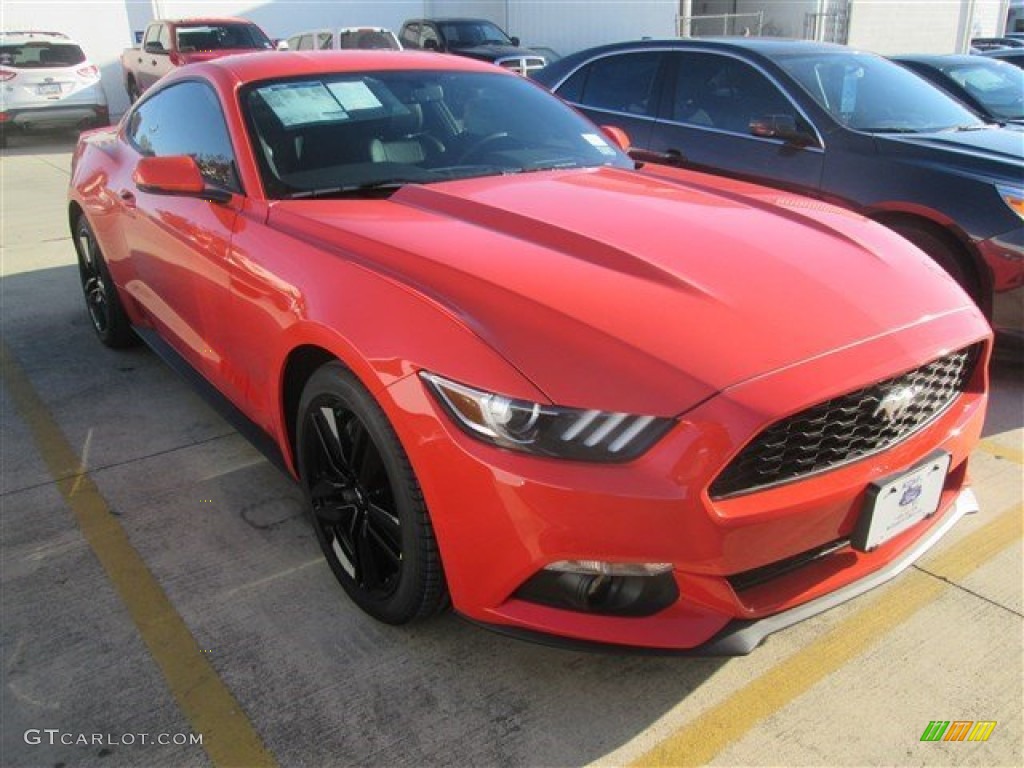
(367, 508)
(108, 317)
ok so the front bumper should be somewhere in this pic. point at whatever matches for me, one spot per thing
(1004, 257)
(740, 637)
(501, 517)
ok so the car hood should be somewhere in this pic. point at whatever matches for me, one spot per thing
(625, 291)
(493, 52)
(993, 152)
(191, 57)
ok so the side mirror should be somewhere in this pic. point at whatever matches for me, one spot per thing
(431, 45)
(782, 127)
(154, 47)
(514, 41)
(175, 175)
(618, 136)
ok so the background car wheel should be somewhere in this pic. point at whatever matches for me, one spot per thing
(944, 254)
(367, 508)
(108, 317)
(133, 92)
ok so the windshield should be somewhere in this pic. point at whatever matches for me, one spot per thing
(466, 34)
(38, 55)
(868, 93)
(997, 85)
(338, 134)
(214, 37)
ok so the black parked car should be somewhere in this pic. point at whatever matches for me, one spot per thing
(992, 88)
(1013, 56)
(849, 127)
(475, 38)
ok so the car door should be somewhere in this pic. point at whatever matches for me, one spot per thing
(179, 247)
(705, 119)
(622, 89)
(154, 45)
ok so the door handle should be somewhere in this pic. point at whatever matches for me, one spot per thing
(127, 198)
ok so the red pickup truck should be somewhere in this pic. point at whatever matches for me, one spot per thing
(170, 43)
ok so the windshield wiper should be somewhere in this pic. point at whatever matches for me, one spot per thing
(553, 166)
(890, 130)
(351, 189)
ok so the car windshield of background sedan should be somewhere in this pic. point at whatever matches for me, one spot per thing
(997, 85)
(868, 93)
(334, 135)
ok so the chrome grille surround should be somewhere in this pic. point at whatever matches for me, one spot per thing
(849, 427)
(524, 65)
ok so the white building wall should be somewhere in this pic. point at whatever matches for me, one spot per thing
(568, 25)
(921, 26)
(283, 18)
(782, 18)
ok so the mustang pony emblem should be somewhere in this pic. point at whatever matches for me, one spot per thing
(896, 403)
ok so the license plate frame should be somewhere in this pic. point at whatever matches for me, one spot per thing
(900, 501)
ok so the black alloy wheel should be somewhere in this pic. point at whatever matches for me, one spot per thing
(366, 506)
(101, 300)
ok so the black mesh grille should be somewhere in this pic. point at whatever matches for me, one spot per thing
(849, 427)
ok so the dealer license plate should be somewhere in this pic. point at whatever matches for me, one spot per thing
(896, 504)
(48, 89)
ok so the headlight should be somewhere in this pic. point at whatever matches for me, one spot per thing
(547, 430)
(1013, 197)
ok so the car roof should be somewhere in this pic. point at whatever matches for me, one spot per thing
(1003, 53)
(450, 19)
(936, 60)
(268, 65)
(208, 20)
(27, 36)
(766, 48)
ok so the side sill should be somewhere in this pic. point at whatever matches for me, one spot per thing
(251, 431)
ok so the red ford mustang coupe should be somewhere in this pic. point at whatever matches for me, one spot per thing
(576, 400)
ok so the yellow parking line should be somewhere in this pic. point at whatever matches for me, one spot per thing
(229, 738)
(697, 742)
(1001, 451)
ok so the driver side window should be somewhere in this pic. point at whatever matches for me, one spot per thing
(186, 119)
(724, 93)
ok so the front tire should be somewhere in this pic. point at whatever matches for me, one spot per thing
(943, 254)
(366, 506)
(106, 312)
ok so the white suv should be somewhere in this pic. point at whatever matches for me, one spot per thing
(46, 80)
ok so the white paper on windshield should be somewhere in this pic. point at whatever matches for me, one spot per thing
(600, 144)
(355, 96)
(303, 103)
